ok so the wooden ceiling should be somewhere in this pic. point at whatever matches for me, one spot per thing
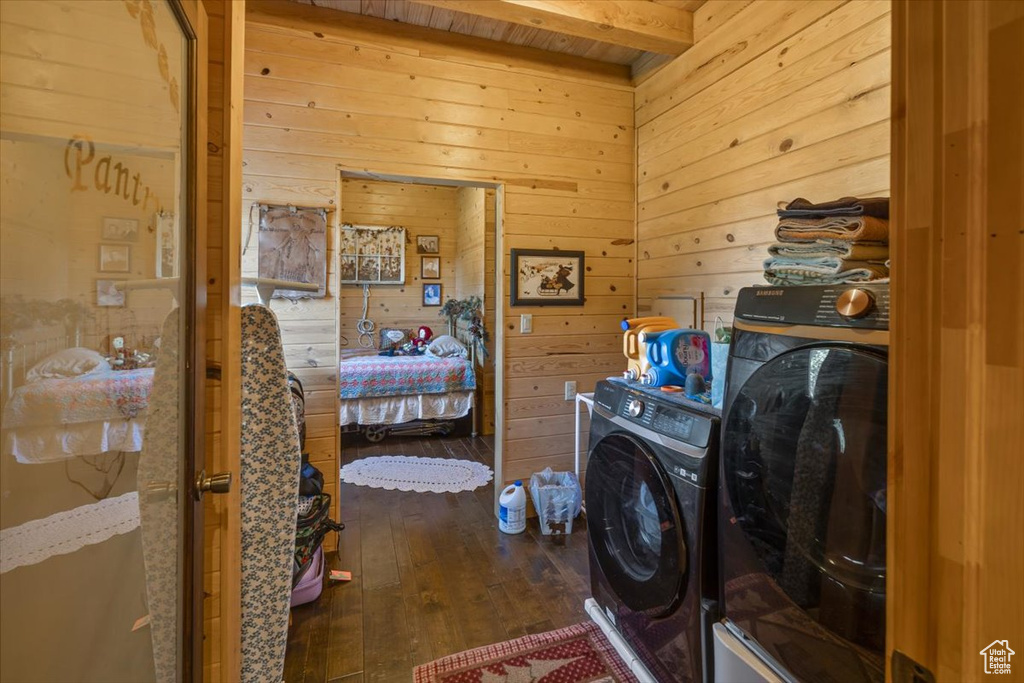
(640, 33)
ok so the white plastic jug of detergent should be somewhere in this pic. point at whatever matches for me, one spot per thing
(512, 509)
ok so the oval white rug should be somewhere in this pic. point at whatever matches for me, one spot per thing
(412, 473)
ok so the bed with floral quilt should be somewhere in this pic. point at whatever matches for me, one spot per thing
(379, 392)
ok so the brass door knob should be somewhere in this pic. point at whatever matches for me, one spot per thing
(855, 303)
(215, 483)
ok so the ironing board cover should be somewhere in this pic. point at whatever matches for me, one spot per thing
(159, 516)
(270, 486)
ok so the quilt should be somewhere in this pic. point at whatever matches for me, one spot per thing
(95, 397)
(378, 376)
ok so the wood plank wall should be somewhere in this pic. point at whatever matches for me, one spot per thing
(487, 376)
(956, 475)
(421, 210)
(474, 276)
(470, 238)
(777, 100)
(324, 89)
(222, 537)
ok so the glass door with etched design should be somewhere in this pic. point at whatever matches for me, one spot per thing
(97, 292)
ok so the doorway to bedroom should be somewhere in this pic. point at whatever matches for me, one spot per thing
(417, 286)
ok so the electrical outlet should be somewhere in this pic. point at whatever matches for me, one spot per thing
(526, 324)
(570, 391)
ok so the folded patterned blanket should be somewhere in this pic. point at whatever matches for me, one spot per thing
(822, 271)
(877, 207)
(851, 251)
(844, 228)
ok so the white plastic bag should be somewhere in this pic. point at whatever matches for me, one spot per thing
(557, 498)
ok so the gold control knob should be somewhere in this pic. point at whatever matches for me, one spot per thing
(855, 303)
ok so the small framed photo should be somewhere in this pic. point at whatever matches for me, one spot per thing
(166, 245)
(432, 294)
(110, 292)
(430, 267)
(120, 229)
(547, 277)
(428, 244)
(115, 258)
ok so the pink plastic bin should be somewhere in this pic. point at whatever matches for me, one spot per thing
(312, 583)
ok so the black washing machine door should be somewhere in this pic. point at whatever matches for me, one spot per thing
(802, 551)
(636, 532)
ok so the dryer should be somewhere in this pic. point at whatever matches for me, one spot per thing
(802, 496)
(650, 492)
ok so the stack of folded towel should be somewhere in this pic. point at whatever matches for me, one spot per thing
(846, 240)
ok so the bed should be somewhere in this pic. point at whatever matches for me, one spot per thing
(380, 395)
(53, 419)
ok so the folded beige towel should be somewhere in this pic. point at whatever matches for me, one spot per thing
(845, 228)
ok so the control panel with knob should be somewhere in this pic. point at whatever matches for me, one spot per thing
(635, 408)
(855, 303)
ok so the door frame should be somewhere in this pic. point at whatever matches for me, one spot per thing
(192, 18)
(497, 329)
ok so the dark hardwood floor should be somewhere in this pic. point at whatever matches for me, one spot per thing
(431, 576)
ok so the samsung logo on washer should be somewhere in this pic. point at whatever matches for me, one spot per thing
(770, 292)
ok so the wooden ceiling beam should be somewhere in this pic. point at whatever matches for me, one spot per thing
(637, 24)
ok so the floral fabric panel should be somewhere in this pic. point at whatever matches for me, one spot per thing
(270, 489)
(376, 376)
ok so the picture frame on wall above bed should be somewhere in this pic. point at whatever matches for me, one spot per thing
(115, 258)
(428, 244)
(120, 229)
(547, 277)
(110, 293)
(432, 294)
(372, 255)
(430, 267)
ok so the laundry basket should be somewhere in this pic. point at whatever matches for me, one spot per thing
(557, 498)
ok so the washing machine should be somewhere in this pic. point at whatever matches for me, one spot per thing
(650, 492)
(802, 495)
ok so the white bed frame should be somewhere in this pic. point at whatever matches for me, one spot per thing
(20, 356)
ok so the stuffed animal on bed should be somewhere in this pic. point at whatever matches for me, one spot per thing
(422, 338)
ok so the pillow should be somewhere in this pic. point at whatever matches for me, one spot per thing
(447, 346)
(67, 363)
(392, 337)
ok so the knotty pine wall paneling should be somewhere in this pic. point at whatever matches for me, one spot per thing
(325, 90)
(470, 234)
(473, 234)
(956, 383)
(421, 210)
(778, 100)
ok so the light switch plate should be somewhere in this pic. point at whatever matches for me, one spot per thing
(570, 391)
(526, 324)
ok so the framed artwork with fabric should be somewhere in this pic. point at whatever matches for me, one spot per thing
(293, 247)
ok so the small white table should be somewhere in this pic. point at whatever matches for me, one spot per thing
(588, 399)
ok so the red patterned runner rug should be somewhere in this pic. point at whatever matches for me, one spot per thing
(576, 654)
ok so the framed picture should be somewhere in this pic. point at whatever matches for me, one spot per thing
(430, 267)
(428, 244)
(372, 254)
(547, 277)
(293, 247)
(120, 229)
(115, 258)
(432, 294)
(110, 292)
(166, 245)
